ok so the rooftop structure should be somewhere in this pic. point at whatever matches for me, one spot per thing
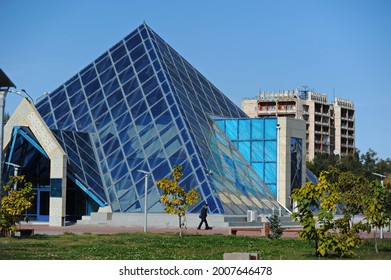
(330, 125)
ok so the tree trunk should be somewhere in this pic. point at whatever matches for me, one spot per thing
(180, 224)
(375, 240)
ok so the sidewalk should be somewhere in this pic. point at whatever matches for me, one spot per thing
(104, 229)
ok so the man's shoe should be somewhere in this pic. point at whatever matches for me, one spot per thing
(198, 228)
(208, 228)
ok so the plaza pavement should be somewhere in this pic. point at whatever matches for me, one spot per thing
(104, 229)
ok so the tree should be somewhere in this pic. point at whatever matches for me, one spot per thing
(176, 199)
(14, 203)
(375, 208)
(334, 192)
(275, 226)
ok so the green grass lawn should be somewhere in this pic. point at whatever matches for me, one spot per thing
(150, 246)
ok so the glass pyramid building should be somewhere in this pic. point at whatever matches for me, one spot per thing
(142, 106)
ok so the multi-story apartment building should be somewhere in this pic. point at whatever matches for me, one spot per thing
(330, 126)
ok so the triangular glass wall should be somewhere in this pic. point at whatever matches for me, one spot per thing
(146, 108)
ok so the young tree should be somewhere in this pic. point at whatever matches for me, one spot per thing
(14, 203)
(176, 199)
(275, 227)
(337, 235)
(375, 208)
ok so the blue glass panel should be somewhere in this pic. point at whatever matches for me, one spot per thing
(119, 110)
(138, 109)
(257, 151)
(270, 172)
(95, 98)
(259, 168)
(161, 171)
(107, 75)
(115, 97)
(80, 110)
(105, 63)
(118, 53)
(92, 87)
(76, 99)
(257, 128)
(154, 97)
(73, 87)
(244, 148)
(270, 128)
(159, 108)
(58, 98)
(133, 41)
(141, 63)
(99, 110)
(103, 120)
(150, 85)
(270, 151)
(145, 74)
(111, 87)
(137, 52)
(144, 119)
(84, 122)
(232, 129)
(244, 129)
(126, 75)
(88, 75)
(122, 64)
(129, 87)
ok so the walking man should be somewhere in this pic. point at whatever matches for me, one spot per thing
(203, 215)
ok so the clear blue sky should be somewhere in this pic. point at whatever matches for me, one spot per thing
(241, 46)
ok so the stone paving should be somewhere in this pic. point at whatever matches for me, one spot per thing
(104, 229)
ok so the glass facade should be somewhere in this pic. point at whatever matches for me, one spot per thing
(141, 106)
(256, 139)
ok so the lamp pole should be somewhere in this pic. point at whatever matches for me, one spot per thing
(146, 174)
(5, 85)
(382, 184)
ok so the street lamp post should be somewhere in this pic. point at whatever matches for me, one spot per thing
(5, 85)
(382, 184)
(146, 174)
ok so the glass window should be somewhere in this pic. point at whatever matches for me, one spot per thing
(159, 108)
(95, 98)
(244, 148)
(257, 129)
(118, 53)
(58, 97)
(129, 87)
(119, 109)
(259, 168)
(133, 41)
(270, 151)
(144, 119)
(76, 99)
(231, 127)
(105, 63)
(141, 63)
(137, 52)
(114, 98)
(111, 87)
(270, 128)
(92, 87)
(138, 109)
(145, 74)
(126, 75)
(73, 87)
(244, 129)
(98, 110)
(122, 64)
(257, 151)
(150, 85)
(107, 75)
(154, 96)
(88, 75)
